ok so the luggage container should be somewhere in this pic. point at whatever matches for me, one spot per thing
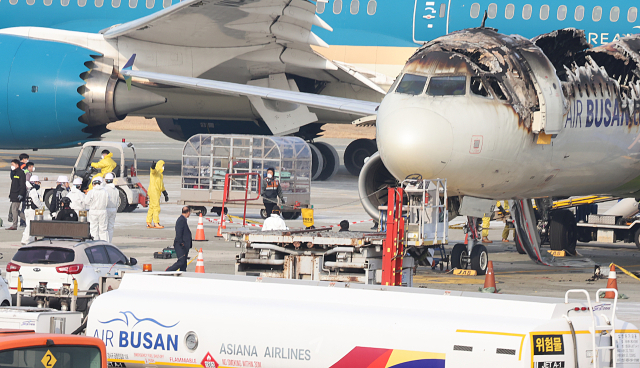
(207, 158)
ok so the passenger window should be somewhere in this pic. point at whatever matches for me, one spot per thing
(337, 7)
(371, 7)
(320, 7)
(115, 3)
(579, 14)
(133, 3)
(447, 86)
(614, 14)
(632, 15)
(97, 254)
(166, 3)
(98, 3)
(115, 256)
(509, 11)
(562, 12)
(443, 10)
(31, 2)
(478, 88)
(13, 2)
(596, 15)
(355, 7)
(493, 11)
(527, 10)
(64, 2)
(497, 88)
(412, 84)
(475, 10)
(150, 4)
(544, 12)
(82, 3)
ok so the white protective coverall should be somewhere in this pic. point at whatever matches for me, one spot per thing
(274, 222)
(112, 207)
(30, 214)
(97, 200)
(77, 200)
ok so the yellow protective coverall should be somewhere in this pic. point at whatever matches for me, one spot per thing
(106, 165)
(155, 189)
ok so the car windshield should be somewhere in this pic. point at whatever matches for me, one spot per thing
(44, 255)
(447, 86)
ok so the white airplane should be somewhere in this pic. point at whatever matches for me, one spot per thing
(500, 117)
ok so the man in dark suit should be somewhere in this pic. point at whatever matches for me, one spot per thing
(182, 242)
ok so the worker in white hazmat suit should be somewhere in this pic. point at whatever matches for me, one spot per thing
(77, 196)
(33, 202)
(275, 221)
(97, 200)
(112, 204)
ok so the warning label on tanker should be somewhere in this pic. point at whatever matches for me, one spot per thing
(628, 348)
(209, 362)
(547, 344)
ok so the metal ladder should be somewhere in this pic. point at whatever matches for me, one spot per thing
(610, 326)
(425, 210)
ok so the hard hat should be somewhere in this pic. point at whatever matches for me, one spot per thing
(77, 181)
(34, 178)
(109, 176)
(98, 179)
(63, 179)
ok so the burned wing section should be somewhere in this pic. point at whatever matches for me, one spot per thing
(512, 67)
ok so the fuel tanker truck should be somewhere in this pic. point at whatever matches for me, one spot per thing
(206, 320)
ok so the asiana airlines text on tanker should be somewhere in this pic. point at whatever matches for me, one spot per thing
(273, 352)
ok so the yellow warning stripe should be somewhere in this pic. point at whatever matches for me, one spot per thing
(625, 271)
(499, 333)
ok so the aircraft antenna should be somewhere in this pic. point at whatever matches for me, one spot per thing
(484, 19)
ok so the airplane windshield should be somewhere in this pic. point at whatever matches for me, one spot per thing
(412, 84)
(447, 86)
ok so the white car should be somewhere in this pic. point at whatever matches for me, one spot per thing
(5, 295)
(59, 261)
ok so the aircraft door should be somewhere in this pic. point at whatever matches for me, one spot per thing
(429, 20)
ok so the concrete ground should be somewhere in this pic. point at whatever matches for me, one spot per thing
(333, 201)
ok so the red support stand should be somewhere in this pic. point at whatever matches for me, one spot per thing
(393, 245)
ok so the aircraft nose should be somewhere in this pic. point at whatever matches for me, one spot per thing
(414, 141)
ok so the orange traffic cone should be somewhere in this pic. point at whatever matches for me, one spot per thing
(200, 230)
(612, 283)
(200, 262)
(222, 226)
(489, 280)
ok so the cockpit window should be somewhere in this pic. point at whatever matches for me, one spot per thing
(497, 88)
(412, 84)
(447, 86)
(478, 88)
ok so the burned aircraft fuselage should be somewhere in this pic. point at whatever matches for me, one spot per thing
(506, 117)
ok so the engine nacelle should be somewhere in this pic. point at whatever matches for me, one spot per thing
(58, 95)
(372, 185)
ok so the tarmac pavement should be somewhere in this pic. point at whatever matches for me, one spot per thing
(333, 201)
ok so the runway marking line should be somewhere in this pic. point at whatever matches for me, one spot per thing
(501, 334)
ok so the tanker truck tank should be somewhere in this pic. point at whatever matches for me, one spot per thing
(195, 320)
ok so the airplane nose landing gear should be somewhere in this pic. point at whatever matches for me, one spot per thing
(473, 253)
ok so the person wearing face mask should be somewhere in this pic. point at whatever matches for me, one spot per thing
(96, 200)
(106, 165)
(33, 202)
(77, 196)
(17, 193)
(156, 186)
(112, 205)
(271, 191)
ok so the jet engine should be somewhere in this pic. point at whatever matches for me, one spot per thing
(373, 182)
(63, 93)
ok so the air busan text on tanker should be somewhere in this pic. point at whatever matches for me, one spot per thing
(61, 59)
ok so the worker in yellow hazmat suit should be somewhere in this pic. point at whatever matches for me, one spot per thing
(106, 165)
(156, 186)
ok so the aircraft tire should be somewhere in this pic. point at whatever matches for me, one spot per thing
(317, 162)
(458, 256)
(479, 259)
(356, 152)
(330, 158)
(48, 195)
(636, 238)
(562, 231)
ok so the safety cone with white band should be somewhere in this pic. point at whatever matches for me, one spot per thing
(200, 262)
(200, 230)
(612, 283)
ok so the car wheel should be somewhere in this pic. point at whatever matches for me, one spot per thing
(263, 213)
(123, 202)
(636, 238)
(131, 208)
(84, 303)
(5, 303)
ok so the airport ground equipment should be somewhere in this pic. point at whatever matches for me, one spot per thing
(132, 192)
(466, 328)
(42, 320)
(208, 158)
(617, 224)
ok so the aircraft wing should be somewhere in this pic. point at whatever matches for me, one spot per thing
(344, 105)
